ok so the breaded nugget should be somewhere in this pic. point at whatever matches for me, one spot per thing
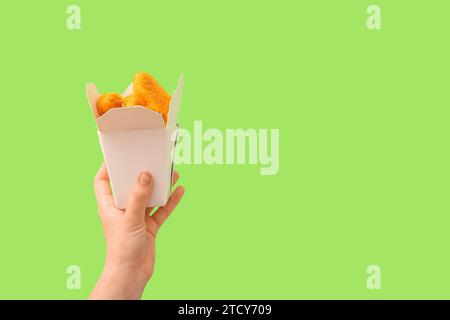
(108, 101)
(129, 101)
(138, 99)
(148, 93)
(165, 108)
(143, 81)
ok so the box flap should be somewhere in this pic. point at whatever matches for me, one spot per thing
(92, 95)
(130, 118)
(128, 90)
(174, 106)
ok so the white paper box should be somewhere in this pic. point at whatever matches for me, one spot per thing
(134, 139)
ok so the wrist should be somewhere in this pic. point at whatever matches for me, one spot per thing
(119, 283)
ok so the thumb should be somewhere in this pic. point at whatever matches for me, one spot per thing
(139, 197)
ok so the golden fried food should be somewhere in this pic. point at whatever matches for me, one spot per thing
(138, 99)
(165, 108)
(146, 92)
(129, 101)
(108, 101)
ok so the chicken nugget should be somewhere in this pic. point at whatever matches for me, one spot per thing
(129, 101)
(138, 99)
(134, 100)
(108, 101)
(165, 108)
(148, 93)
(143, 81)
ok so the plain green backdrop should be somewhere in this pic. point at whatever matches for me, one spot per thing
(364, 155)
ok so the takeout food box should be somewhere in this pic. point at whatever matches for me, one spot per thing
(135, 139)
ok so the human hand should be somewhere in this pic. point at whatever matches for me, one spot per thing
(130, 236)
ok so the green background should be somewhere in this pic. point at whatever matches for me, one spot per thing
(364, 157)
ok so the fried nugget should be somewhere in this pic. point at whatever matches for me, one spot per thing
(165, 108)
(140, 99)
(148, 93)
(129, 101)
(133, 100)
(108, 101)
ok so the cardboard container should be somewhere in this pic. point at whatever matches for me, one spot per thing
(134, 139)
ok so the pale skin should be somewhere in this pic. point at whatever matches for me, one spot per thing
(130, 236)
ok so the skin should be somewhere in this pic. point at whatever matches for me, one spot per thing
(130, 237)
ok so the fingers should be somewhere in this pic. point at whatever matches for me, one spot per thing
(139, 196)
(176, 176)
(101, 187)
(149, 210)
(163, 213)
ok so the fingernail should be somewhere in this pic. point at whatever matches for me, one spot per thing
(145, 178)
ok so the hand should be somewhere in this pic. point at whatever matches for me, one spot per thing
(130, 236)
